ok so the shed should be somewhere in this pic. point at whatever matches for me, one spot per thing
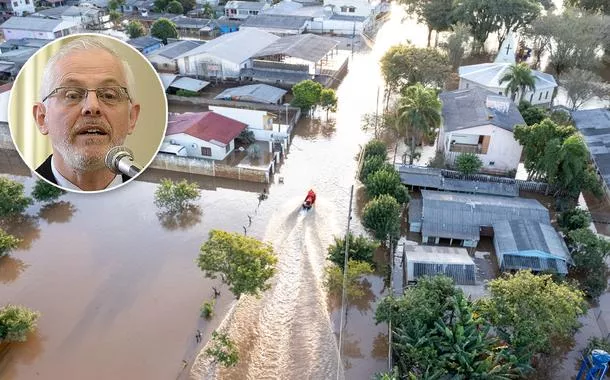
(527, 244)
(426, 260)
(189, 84)
(257, 93)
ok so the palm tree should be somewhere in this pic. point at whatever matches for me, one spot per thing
(420, 115)
(519, 77)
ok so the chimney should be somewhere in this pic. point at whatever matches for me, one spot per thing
(498, 103)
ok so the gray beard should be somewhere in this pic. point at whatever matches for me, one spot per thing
(80, 160)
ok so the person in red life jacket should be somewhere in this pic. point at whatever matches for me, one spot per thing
(311, 196)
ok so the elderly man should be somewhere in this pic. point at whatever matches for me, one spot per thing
(87, 107)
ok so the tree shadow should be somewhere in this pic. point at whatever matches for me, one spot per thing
(11, 268)
(19, 353)
(24, 227)
(57, 212)
(182, 220)
(362, 303)
(380, 346)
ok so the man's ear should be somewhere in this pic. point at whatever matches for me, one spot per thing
(40, 112)
(134, 112)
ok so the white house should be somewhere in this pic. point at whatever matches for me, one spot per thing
(164, 59)
(17, 7)
(241, 10)
(203, 134)
(36, 27)
(478, 121)
(224, 56)
(488, 75)
(83, 15)
(361, 8)
(265, 125)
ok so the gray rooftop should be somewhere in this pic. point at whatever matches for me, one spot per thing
(258, 93)
(309, 47)
(194, 23)
(272, 21)
(595, 126)
(429, 260)
(37, 24)
(489, 75)
(143, 42)
(249, 5)
(414, 210)
(467, 108)
(174, 49)
(526, 244)
(68, 11)
(460, 216)
(433, 178)
(23, 42)
(285, 76)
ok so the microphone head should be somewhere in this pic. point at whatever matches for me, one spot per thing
(114, 155)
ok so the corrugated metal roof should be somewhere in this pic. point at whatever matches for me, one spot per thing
(468, 108)
(37, 24)
(259, 93)
(248, 5)
(285, 76)
(167, 79)
(489, 75)
(434, 260)
(276, 21)
(174, 49)
(189, 84)
(459, 216)
(415, 210)
(306, 46)
(595, 126)
(539, 264)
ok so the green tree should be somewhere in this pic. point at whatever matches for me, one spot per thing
(16, 322)
(188, 5)
(420, 114)
(164, 29)
(356, 270)
(223, 350)
(12, 198)
(406, 65)
(456, 44)
(594, 6)
(382, 216)
(160, 5)
(375, 148)
(436, 14)
(174, 7)
(176, 197)
(208, 11)
(520, 78)
(574, 219)
(583, 85)
(243, 263)
(589, 252)
(386, 182)
(532, 114)
(468, 163)
(45, 192)
(113, 5)
(359, 248)
(306, 94)
(115, 16)
(328, 100)
(529, 311)
(514, 15)
(374, 164)
(135, 29)
(7, 243)
(482, 18)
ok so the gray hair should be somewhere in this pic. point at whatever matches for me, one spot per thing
(49, 76)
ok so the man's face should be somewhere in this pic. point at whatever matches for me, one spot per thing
(81, 134)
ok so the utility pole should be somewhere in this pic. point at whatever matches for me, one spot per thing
(343, 292)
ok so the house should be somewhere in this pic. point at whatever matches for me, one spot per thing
(164, 59)
(357, 8)
(203, 134)
(36, 27)
(224, 57)
(280, 25)
(427, 260)
(480, 122)
(488, 75)
(16, 7)
(256, 93)
(188, 84)
(594, 124)
(145, 44)
(465, 217)
(530, 245)
(196, 27)
(228, 25)
(138, 6)
(84, 16)
(241, 10)
(22, 43)
(265, 125)
(13, 60)
(292, 59)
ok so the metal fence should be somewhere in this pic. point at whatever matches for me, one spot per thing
(531, 186)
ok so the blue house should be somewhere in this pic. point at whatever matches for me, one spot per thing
(145, 44)
(228, 26)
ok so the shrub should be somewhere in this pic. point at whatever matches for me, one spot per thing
(207, 309)
(16, 322)
(468, 163)
(187, 93)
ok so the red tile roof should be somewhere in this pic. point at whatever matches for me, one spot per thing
(5, 87)
(206, 126)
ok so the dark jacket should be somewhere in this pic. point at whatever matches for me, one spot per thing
(46, 172)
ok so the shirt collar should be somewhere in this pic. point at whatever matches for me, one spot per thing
(66, 184)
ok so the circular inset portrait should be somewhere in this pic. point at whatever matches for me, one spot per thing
(87, 113)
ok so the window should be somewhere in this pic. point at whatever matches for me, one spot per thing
(351, 9)
(206, 151)
(540, 97)
(492, 163)
(344, 9)
(27, 2)
(227, 150)
(546, 96)
(15, 4)
(467, 85)
(531, 97)
(499, 92)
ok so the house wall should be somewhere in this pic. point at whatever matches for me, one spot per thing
(341, 27)
(299, 61)
(503, 150)
(193, 146)
(20, 6)
(362, 8)
(540, 96)
(277, 31)
(15, 34)
(259, 122)
(163, 64)
(228, 69)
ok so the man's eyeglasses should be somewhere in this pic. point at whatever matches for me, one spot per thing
(71, 96)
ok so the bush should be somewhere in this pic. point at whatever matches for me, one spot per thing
(7, 243)
(468, 163)
(574, 219)
(187, 93)
(207, 309)
(16, 322)
(245, 137)
(222, 350)
(360, 248)
(45, 192)
(386, 182)
(382, 217)
(532, 115)
(375, 148)
(12, 198)
(176, 197)
(373, 164)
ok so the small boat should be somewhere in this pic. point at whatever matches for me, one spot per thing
(310, 199)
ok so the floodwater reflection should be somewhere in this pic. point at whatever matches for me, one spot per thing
(10, 268)
(24, 227)
(57, 212)
(380, 346)
(184, 220)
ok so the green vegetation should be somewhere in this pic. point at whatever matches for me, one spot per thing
(519, 78)
(532, 114)
(354, 284)
(7, 243)
(382, 216)
(207, 309)
(589, 252)
(176, 197)
(372, 165)
(223, 350)
(16, 322)
(12, 198)
(574, 219)
(245, 264)
(135, 29)
(359, 248)
(375, 148)
(386, 182)
(328, 100)
(163, 29)
(468, 163)
(45, 192)
(187, 93)
(308, 94)
(174, 7)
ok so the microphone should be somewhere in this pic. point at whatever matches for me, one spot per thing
(120, 161)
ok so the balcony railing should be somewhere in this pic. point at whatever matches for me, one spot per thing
(465, 148)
